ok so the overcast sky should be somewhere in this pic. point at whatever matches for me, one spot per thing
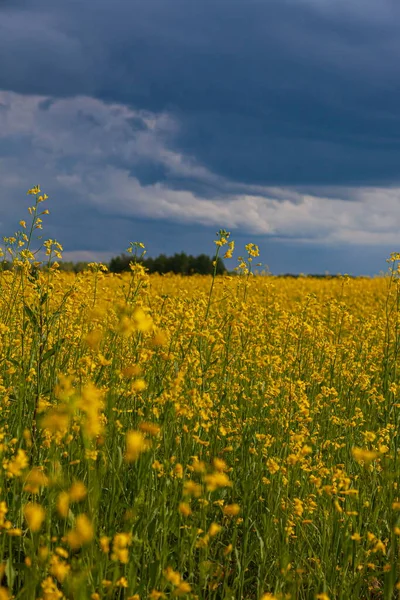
(163, 120)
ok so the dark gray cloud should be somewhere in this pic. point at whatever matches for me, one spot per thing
(281, 92)
(281, 117)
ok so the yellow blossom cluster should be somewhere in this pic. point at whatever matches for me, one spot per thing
(228, 436)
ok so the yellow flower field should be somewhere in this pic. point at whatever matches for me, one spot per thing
(226, 437)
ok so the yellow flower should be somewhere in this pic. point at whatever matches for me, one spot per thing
(57, 420)
(229, 252)
(337, 506)
(231, 510)
(138, 385)
(77, 491)
(136, 444)
(35, 480)
(93, 338)
(18, 464)
(81, 534)
(142, 321)
(217, 480)
(91, 454)
(150, 428)
(3, 512)
(214, 529)
(362, 455)
(185, 509)
(63, 504)
(131, 370)
(121, 542)
(272, 466)
(379, 547)
(172, 576)
(15, 532)
(33, 191)
(50, 590)
(4, 594)
(159, 339)
(219, 464)
(91, 404)
(59, 568)
(191, 488)
(252, 250)
(61, 552)
(228, 549)
(34, 515)
(103, 361)
(183, 588)
(105, 544)
(155, 595)
(298, 507)
(178, 471)
(43, 553)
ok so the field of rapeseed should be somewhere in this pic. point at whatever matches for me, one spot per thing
(232, 437)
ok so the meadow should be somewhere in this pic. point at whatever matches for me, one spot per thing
(225, 437)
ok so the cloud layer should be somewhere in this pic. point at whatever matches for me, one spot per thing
(277, 119)
(279, 92)
(119, 161)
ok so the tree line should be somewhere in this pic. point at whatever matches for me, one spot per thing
(180, 263)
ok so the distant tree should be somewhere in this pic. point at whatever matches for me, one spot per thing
(6, 265)
(67, 266)
(180, 263)
(160, 264)
(80, 266)
(202, 264)
(120, 263)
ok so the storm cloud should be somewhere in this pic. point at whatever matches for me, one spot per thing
(276, 119)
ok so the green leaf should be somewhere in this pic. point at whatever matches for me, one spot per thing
(120, 457)
(31, 316)
(44, 298)
(49, 353)
(10, 573)
(14, 362)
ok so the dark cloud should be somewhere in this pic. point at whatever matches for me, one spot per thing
(148, 173)
(300, 94)
(277, 92)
